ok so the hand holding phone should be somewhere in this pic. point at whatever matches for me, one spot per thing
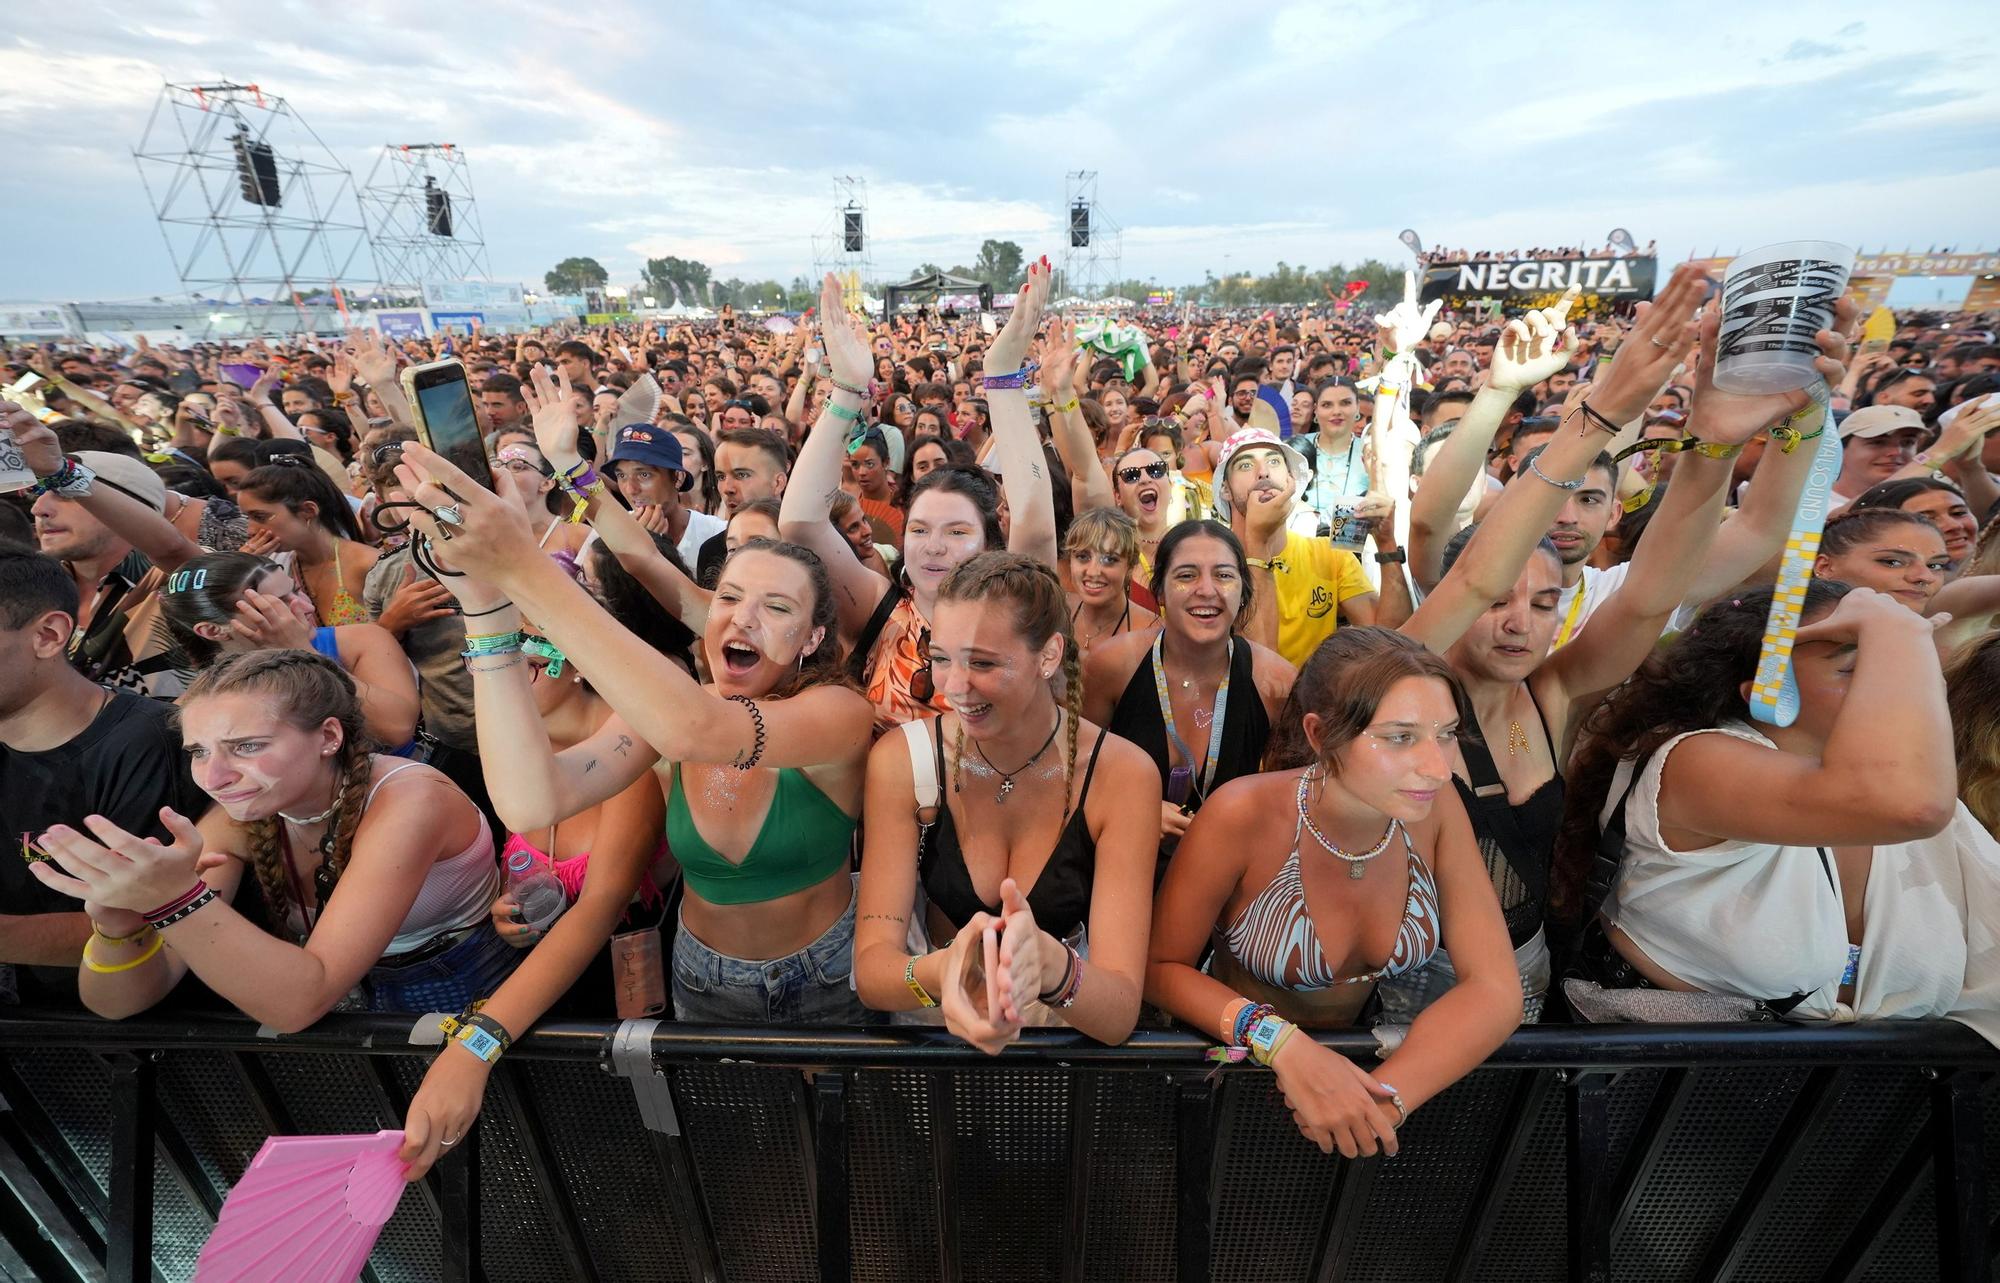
(441, 403)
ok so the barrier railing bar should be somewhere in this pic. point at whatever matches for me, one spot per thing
(1083, 1096)
(128, 1254)
(556, 1202)
(1587, 1129)
(1806, 1117)
(1958, 1139)
(13, 1266)
(56, 1232)
(457, 1172)
(1877, 1224)
(181, 1163)
(1882, 1043)
(831, 1177)
(43, 1144)
(1194, 1170)
(1649, 1143)
(945, 1176)
(1342, 1230)
(1496, 1179)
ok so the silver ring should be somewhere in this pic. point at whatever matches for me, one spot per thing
(448, 514)
(1655, 342)
(447, 1144)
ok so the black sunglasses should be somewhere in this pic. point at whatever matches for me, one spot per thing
(922, 686)
(1130, 476)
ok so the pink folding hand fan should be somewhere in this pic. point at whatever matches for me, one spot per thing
(307, 1211)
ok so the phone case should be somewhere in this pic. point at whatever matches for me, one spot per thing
(638, 977)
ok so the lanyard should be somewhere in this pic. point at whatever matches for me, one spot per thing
(1215, 726)
(1575, 612)
(1774, 691)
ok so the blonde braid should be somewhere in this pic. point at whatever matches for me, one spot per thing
(1072, 674)
(267, 860)
(353, 785)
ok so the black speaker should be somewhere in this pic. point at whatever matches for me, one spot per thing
(1079, 225)
(851, 230)
(437, 209)
(256, 170)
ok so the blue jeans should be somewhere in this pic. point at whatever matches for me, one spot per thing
(472, 968)
(811, 987)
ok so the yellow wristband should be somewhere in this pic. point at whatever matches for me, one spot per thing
(916, 985)
(1072, 404)
(143, 958)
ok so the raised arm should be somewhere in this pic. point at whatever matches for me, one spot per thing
(1522, 358)
(134, 522)
(1091, 486)
(1488, 567)
(556, 433)
(375, 362)
(815, 479)
(1017, 447)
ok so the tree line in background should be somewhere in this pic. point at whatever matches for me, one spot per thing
(999, 263)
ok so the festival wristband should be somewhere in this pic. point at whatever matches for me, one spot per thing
(916, 986)
(186, 907)
(995, 382)
(840, 411)
(1071, 405)
(1774, 690)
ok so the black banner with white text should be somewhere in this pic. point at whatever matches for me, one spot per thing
(1524, 279)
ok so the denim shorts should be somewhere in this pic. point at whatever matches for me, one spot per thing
(1405, 995)
(811, 987)
(472, 968)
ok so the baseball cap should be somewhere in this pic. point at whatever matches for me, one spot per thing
(1880, 420)
(127, 476)
(645, 443)
(1254, 439)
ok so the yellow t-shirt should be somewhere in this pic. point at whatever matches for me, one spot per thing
(1317, 577)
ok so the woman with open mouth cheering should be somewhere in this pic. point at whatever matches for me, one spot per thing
(762, 768)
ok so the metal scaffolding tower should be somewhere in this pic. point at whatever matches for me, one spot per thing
(840, 245)
(422, 217)
(1088, 268)
(257, 213)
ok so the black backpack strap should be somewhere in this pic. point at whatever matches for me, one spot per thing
(871, 632)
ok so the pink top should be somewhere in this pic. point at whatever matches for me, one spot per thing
(570, 872)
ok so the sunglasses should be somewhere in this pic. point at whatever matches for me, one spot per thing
(1130, 476)
(922, 686)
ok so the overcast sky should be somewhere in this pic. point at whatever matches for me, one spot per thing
(1310, 133)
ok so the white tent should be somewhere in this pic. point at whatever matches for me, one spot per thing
(1115, 301)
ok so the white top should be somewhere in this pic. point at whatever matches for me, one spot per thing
(1762, 921)
(700, 529)
(1596, 586)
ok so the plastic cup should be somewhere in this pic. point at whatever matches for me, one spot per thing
(1773, 301)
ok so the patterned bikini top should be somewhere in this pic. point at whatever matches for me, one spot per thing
(1274, 940)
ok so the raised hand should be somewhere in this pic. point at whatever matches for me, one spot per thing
(372, 360)
(845, 336)
(1666, 329)
(1010, 347)
(491, 541)
(341, 377)
(1731, 418)
(1058, 373)
(554, 417)
(44, 453)
(1533, 346)
(1403, 326)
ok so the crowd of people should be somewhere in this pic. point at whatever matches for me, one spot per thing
(1338, 670)
(1440, 255)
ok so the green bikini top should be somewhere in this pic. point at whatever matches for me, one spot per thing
(805, 840)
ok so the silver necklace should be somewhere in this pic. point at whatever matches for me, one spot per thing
(1357, 861)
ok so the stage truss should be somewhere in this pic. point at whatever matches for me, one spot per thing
(398, 206)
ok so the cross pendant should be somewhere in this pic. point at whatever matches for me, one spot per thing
(1006, 787)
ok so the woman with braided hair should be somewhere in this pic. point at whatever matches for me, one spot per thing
(1007, 826)
(375, 874)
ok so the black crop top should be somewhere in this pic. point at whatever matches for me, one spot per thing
(1060, 898)
(1517, 842)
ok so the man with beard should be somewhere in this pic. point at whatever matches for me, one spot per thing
(1300, 584)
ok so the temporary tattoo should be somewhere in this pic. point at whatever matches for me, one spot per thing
(590, 766)
(884, 917)
(1035, 471)
(624, 743)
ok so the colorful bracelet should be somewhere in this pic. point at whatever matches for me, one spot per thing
(477, 644)
(1064, 994)
(71, 481)
(186, 907)
(1071, 405)
(997, 382)
(92, 964)
(846, 387)
(1247, 1016)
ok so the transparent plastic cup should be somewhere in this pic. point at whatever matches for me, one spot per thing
(1774, 300)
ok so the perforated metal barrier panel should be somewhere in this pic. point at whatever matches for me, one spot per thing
(1759, 1154)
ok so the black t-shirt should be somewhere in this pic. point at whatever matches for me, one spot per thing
(708, 562)
(125, 766)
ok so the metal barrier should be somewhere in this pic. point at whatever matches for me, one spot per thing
(661, 1151)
